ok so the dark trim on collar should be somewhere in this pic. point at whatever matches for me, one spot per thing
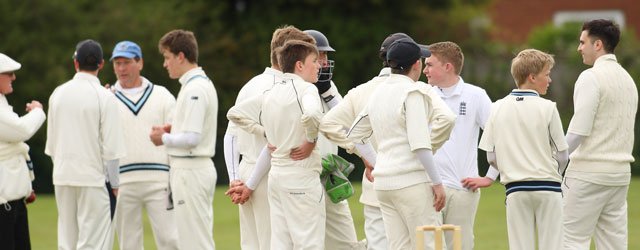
(135, 107)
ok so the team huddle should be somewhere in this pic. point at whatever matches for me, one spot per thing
(418, 142)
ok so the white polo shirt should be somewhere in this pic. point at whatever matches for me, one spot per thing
(196, 111)
(83, 131)
(287, 114)
(458, 157)
(524, 130)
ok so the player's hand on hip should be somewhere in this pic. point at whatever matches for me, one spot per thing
(438, 197)
(478, 182)
(368, 169)
(115, 192)
(271, 148)
(303, 151)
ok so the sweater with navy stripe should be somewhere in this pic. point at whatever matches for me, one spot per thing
(140, 109)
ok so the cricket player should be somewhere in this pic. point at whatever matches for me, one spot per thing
(190, 141)
(600, 137)
(255, 226)
(144, 172)
(15, 173)
(342, 116)
(288, 115)
(458, 157)
(407, 183)
(340, 229)
(524, 140)
(85, 142)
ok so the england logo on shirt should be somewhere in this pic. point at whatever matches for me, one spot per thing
(463, 109)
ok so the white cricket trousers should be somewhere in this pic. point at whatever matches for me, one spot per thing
(405, 209)
(460, 209)
(84, 218)
(340, 231)
(255, 223)
(193, 183)
(531, 210)
(152, 196)
(296, 199)
(374, 229)
(594, 210)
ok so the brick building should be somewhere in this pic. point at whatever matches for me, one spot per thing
(515, 19)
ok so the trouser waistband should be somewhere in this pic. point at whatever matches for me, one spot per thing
(533, 186)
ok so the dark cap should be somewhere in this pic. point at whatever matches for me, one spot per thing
(88, 54)
(405, 52)
(392, 38)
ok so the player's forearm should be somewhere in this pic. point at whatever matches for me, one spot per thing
(426, 158)
(574, 141)
(367, 152)
(231, 156)
(263, 164)
(184, 140)
(563, 158)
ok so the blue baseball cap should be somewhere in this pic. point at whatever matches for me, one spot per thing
(126, 49)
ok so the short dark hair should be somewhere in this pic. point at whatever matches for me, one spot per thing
(88, 54)
(177, 41)
(400, 71)
(293, 51)
(604, 30)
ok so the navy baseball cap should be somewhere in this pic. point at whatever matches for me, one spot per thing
(89, 54)
(405, 52)
(126, 49)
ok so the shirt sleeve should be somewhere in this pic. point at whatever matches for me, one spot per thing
(585, 102)
(556, 132)
(246, 115)
(195, 108)
(361, 129)
(312, 113)
(441, 120)
(486, 141)
(19, 129)
(484, 109)
(336, 122)
(416, 118)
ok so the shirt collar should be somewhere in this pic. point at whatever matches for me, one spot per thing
(293, 77)
(606, 57)
(272, 71)
(139, 89)
(184, 79)
(87, 77)
(399, 77)
(455, 90)
(385, 71)
(3, 101)
(524, 92)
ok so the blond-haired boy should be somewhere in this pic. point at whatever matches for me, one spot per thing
(524, 140)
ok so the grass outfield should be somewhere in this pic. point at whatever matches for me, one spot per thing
(490, 233)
